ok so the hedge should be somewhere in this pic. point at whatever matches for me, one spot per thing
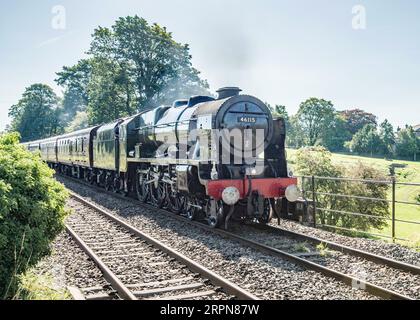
(32, 211)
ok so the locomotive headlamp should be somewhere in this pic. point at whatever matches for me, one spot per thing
(231, 196)
(292, 193)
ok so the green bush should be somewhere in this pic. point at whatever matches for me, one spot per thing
(318, 162)
(32, 211)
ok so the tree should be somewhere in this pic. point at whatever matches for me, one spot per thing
(279, 111)
(314, 117)
(407, 143)
(111, 95)
(295, 136)
(335, 135)
(387, 136)
(357, 119)
(317, 161)
(75, 80)
(367, 141)
(37, 114)
(151, 60)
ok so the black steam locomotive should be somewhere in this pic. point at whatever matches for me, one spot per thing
(212, 158)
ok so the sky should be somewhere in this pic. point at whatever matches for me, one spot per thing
(358, 54)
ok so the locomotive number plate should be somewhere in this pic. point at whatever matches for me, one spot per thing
(247, 119)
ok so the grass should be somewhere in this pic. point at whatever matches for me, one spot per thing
(301, 247)
(409, 173)
(323, 249)
(35, 286)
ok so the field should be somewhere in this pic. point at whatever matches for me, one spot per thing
(409, 173)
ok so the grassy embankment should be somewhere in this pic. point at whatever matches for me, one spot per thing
(410, 173)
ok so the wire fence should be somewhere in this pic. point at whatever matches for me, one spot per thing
(333, 209)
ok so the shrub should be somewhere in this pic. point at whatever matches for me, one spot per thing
(318, 162)
(31, 211)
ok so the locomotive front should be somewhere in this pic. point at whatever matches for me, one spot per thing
(240, 149)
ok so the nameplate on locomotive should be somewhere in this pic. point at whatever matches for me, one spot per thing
(247, 119)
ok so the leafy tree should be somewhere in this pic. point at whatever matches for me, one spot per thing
(313, 118)
(37, 114)
(110, 93)
(75, 81)
(335, 135)
(279, 111)
(158, 66)
(388, 137)
(317, 161)
(367, 141)
(32, 211)
(407, 143)
(295, 136)
(357, 119)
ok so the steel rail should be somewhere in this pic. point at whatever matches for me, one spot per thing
(348, 280)
(348, 179)
(345, 249)
(116, 283)
(214, 278)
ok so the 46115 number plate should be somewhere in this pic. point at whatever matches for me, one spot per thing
(247, 119)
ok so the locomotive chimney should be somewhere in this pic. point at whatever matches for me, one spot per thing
(228, 92)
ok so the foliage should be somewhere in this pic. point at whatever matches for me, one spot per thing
(318, 162)
(323, 249)
(313, 117)
(301, 247)
(37, 114)
(387, 137)
(75, 81)
(357, 119)
(110, 93)
(132, 66)
(31, 211)
(406, 171)
(408, 145)
(295, 135)
(279, 111)
(367, 141)
(35, 286)
(136, 66)
(335, 135)
(79, 122)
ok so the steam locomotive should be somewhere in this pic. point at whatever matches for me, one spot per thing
(208, 158)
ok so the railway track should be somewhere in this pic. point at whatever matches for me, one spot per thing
(139, 267)
(343, 248)
(305, 259)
